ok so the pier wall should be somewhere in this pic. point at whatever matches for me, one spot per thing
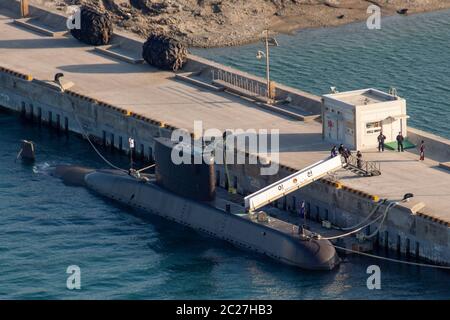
(436, 148)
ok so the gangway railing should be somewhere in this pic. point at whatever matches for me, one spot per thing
(292, 183)
(366, 168)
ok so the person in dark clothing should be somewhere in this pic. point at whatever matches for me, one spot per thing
(302, 210)
(400, 140)
(422, 150)
(302, 215)
(341, 149)
(381, 138)
(334, 152)
(359, 159)
(346, 154)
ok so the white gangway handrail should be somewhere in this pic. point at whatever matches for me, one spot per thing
(292, 183)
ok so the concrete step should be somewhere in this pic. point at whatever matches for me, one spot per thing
(189, 78)
(32, 24)
(107, 50)
(282, 111)
(261, 101)
(445, 165)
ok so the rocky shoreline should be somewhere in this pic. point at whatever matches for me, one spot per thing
(215, 23)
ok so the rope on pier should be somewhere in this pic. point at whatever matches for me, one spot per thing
(426, 265)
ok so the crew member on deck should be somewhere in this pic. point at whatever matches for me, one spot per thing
(400, 140)
(381, 138)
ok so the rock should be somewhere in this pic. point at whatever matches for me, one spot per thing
(96, 27)
(402, 11)
(164, 53)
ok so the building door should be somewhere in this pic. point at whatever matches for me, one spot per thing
(332, 129)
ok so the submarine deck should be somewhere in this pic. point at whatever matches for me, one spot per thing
(278, 220)
(157, 94)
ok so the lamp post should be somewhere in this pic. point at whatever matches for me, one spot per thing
(268, 43)
(24, 8)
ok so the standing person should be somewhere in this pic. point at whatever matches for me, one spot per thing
(334, 152)
(359, 159)
(381, 138)
(400, 140)
(302, 215)
(302, 210)
(346, 154)
(341, 149)
(422, 150)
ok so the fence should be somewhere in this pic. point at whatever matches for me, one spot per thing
(251, 87)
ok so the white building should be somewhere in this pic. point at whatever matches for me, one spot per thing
(355, 118)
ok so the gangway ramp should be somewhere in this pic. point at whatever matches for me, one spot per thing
(292, 183)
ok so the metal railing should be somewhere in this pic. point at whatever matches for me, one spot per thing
(369, 168)
(252, 87)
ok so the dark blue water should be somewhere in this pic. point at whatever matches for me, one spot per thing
(46, 226)
(409, 53)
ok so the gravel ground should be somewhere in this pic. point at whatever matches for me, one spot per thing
(212, 23)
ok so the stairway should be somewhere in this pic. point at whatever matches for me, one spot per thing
(364, 169)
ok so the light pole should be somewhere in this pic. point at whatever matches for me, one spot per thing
(24, 9)
(268, 42)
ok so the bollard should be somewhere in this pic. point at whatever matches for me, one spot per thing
(27, 152)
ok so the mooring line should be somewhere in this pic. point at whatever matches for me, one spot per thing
(426, 265)
(92, 144)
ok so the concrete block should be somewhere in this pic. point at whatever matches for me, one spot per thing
(123, 56)
(30, 23)
(412, 206)
(65, 85)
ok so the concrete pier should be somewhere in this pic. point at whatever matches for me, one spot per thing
(115, 100)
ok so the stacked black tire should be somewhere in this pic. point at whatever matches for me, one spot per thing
(164, 53)
(96, 27)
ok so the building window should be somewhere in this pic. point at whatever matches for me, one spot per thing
(373, 127)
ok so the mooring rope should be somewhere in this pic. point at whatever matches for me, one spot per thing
(426, 265)
(83, 132)
(146, 168)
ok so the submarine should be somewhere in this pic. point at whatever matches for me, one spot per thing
(187, 194)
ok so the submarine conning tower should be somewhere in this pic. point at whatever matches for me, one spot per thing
(189, 179)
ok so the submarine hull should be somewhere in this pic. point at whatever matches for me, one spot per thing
(239, 230)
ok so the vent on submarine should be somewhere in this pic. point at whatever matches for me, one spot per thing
(194, 181)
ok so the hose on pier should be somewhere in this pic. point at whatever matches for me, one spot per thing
(382, 217)
(391, 205)
(374, 210)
